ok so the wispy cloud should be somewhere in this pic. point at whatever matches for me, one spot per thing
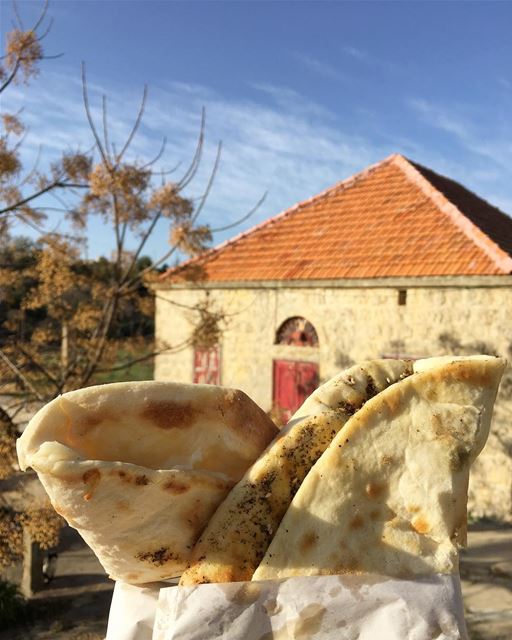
(359, 54)
(473, 131)
(485, 147)
(441, 118)
(320, 67)
(365, 57)
(278, 142)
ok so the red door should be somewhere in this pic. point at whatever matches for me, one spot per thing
(207, 366)
(293, 383)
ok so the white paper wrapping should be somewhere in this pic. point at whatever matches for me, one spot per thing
(133, 610)
(317, 607)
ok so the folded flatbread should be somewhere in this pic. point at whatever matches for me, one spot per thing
(237, 536)
(389, 494)
(138, 468)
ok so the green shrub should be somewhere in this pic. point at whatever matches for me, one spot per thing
(12, 604)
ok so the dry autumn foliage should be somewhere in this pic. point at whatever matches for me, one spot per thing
(20, 189)
(73, 341)
(73, 305)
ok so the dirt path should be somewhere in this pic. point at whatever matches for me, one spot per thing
(76, 604)
(486, 572)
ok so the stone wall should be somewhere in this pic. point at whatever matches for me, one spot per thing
(354, 324)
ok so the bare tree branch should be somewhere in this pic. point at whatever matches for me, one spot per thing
(138, 251)
(17, 15)
(105, 125)
(53, 185)
(196, 158)
(243, 218)
(40, 367)
(210, 183)
(11, 77)
(41, 17)
(150, 163)
(19, 374)
(136, 125)
(90, 120)
(30, 175)
(98, 352)
(148, 356)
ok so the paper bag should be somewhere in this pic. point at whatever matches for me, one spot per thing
(317, 607)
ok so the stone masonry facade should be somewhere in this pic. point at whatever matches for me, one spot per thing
(356, 320)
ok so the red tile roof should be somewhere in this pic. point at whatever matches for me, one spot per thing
(395, 218)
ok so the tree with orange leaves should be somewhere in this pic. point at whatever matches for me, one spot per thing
(74, 305)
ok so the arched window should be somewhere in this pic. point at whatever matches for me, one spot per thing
(297, 331)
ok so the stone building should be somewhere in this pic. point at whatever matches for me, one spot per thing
(396, 261)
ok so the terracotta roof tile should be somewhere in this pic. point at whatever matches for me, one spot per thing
(395, 218)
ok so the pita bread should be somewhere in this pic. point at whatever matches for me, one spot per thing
(389, 494)
(138, 468)
(236, 537)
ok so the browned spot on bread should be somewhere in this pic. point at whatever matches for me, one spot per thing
(176, 487)
(387, 460)
(357, 522)
(475, 373)
(459, 458)
(89, 421)
(374, 514)
(92, 476)
(392, 399)
(130, 478)
(123, 505)
(348, 407)
(371, 387)
(158, 557)
(345, 564)
(241, 415)
(170, 415)
(195, 516)
(352, 566)
(420, 525)
(126, 477)
(413, 508)
(375, 489)
(308, 541)
(132, 576)
(91, 479)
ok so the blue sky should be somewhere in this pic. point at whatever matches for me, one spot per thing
(302, 94)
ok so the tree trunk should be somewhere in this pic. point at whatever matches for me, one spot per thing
(32, 579)
(64, 347)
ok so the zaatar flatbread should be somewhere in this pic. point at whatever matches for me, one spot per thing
(389, 494)
(236, 537)
(138, 468)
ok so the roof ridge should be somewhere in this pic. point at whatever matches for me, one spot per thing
(341, 185)
(500, 257)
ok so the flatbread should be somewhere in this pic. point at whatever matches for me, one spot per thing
(138, 468)
(389, 494)
(236, 537)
